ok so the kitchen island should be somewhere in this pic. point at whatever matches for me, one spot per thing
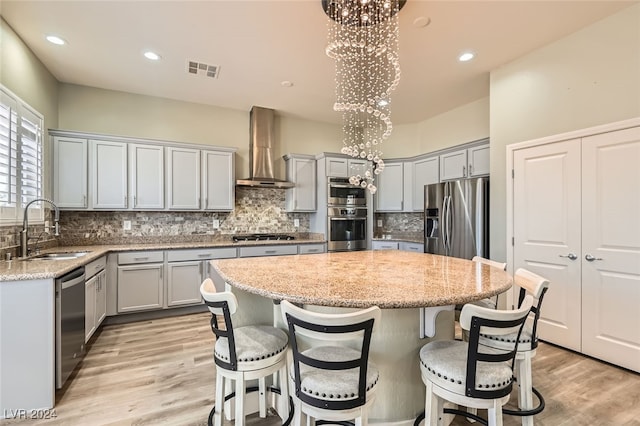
(401, 283)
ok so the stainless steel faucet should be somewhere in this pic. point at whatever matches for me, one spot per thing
(24, 234)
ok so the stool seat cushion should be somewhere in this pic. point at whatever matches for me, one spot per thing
(253, 343)
(445, 364)
(336, 385)
(507, 341)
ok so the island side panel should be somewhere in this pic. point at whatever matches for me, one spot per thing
(27, 345)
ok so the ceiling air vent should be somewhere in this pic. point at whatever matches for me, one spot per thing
(202, 69)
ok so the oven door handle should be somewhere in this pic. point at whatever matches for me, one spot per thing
(333, 185)
(347, 218)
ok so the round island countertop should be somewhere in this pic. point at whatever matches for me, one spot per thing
(359, 279)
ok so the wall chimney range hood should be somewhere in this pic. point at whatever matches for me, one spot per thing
(261, 151)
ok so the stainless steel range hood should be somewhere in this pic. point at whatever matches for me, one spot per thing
(261, 151)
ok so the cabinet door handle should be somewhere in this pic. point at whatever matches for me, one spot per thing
(84, 200)
(590, 258)
(125, 202)
(571, 256)
(312, 250)
(205, 255)
(138, 259)
(470, 169)
(270, 251)
(464, 171)
(135, 201)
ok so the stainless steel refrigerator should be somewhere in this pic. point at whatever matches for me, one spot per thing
(456, 218)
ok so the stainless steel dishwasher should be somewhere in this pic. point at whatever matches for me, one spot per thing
(70, 305)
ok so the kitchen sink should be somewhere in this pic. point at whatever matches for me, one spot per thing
(58, 256)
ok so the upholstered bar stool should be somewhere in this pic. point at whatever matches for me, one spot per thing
(470, 374)
(332, 381)
(536, 286)
(242, 354)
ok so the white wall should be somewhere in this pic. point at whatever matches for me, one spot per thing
(588, 78)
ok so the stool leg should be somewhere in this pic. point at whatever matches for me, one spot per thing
(240, 391)
(217, 416)
(262, 397)
(283, 408)
(432, 407)
(471, 410)
(525, 394)
(494, 415)
(362, 420)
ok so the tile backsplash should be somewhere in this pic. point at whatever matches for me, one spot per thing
(398, 223)
(257, 210)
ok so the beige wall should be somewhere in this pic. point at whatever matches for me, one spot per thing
(466, 123)
(23, 73)
(588, 78)
(110, 112)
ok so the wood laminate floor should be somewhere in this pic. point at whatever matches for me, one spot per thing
(161, 372)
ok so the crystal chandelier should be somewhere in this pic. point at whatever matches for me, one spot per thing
(363, 41)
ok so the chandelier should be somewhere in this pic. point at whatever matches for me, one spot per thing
(363, 41)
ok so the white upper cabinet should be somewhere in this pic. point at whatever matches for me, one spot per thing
(146, 172)
(183, 178)
(70, 172)
(470, 162)
(118, 173)
(478, 158)
(453, 165)
(301, 170)
(109, 174)
(345, 167)
(425, 172)
(218, 180)
(390, 183)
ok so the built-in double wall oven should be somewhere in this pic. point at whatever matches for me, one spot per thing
(346, 215)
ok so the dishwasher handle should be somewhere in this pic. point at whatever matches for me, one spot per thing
(72, 278)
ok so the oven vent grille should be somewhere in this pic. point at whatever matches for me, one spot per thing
(202, 69)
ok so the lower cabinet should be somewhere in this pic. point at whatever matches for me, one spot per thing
(95, 297)
(397, 245)
(186, 269)
(415, 247)
(140, 281)
(384, 245)
(254, 251)
(311, 248)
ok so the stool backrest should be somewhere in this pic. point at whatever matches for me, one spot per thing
(324, 327)
(223, 304)
(479, 320)
(499, 265)
(536, 286)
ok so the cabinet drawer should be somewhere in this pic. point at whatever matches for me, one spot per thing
(415, 247)
(311, 248)
(140, 257)
(268, 251)
(201, 254)
(95, 266)
(379, 245)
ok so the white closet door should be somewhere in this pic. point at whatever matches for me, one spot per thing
(611, 235)
(546, 224)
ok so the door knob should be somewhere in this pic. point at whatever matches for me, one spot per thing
(571, 256)
(590, 258)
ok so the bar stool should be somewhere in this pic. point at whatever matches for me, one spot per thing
(245, 353)
(332, 382)
(535, 286)
(470, 374)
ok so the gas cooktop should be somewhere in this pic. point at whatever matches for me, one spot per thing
(263, 237)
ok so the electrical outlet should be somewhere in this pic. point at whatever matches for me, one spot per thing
(379, 223)
(216, 224)
(126, 225)
(296, 223)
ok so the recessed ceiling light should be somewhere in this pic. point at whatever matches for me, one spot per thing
(467, 56)
(153, 56)
(56, 40)
(421, 21)
(286, 83)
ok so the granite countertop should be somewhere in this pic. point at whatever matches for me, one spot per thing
(21, 270)
(386, 278)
